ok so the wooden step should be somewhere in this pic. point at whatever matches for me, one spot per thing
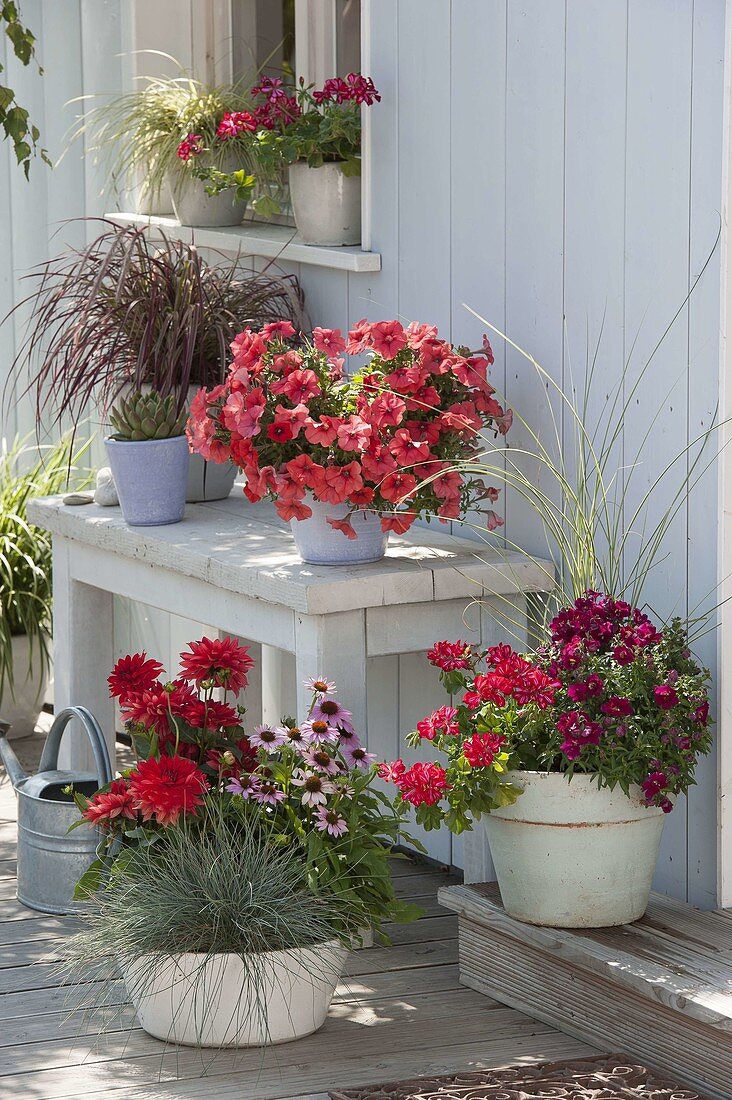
(659, 989)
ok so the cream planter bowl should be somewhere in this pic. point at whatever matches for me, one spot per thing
(22, 706)
(326, 204)
(570, 855)
(213, 1001)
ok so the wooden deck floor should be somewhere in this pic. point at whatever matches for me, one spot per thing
(399, 1013)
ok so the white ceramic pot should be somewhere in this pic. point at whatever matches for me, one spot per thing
(151, 477)
(570, 855)
(22, 707)
(209, 480)
(192, 204)
(213, 1001)
(326, 204)
(320, 544)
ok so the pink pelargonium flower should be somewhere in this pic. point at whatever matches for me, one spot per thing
(278, 329)
(329, 340)
(353, 434)
(343, 525)
(299, 386)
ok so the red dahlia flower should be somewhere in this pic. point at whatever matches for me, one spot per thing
(221, 660)
(133, 673)
(166, 788)
(108, 805)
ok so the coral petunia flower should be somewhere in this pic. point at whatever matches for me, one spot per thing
(166, 788)
(222, 660)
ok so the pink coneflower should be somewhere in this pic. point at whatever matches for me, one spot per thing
(297, 736)
(321, 760)
(268, 793)
(332, 711)
(319, 730)
(246, 785)
(348, 737)
(357, 757)
(320, 686)
(342, 787)
(330, 821)
(314, 788)
(266, 737)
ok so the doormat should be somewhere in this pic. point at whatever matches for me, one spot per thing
(609, 1077)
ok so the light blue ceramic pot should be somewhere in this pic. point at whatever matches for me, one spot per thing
(151, 477)
(320, 544)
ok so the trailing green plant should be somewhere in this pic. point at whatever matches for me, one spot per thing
(25, 550)
(14, 119)
(145, 416)
(126, 311)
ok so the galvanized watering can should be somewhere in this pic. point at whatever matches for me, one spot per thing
(50, 859)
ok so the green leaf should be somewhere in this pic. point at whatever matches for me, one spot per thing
(351, 167)
(90, 881)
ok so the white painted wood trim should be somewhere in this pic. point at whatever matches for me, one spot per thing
(724, 529)
(315, 40)
(366, 132)
(273, 242)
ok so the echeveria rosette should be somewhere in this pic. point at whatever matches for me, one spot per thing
(386, 437)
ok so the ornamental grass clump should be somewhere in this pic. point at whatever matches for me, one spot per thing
(608, 694)
(385, 439)
(126, 311)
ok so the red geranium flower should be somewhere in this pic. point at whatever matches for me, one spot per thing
(116, 802)
(221, 660)
(166, 788)
(482, 748)
(423, 784)
(136, 672)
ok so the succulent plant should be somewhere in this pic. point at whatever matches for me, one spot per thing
(144, 416)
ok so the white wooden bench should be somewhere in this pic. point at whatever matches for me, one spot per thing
(234, 564)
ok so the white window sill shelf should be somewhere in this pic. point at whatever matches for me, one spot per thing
(274, 242)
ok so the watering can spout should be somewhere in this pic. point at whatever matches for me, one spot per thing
(9, 759)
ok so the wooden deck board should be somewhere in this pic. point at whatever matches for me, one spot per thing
(399, 1011)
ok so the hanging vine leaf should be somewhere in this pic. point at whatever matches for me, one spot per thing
(13, 118)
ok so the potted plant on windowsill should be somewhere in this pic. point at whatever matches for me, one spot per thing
(350, 459)
(28, 471)
(127, 312)
(253, 860)
(149, 457)
(162, 138)
(575, 754)
(317, 133)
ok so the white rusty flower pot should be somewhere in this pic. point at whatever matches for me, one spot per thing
(326, 204)
(215, 1001)
(570, 855)
(320, 544)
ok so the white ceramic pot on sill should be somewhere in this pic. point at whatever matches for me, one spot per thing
(326, 204)
(22, 706)
(570, 855)
(213, 1001)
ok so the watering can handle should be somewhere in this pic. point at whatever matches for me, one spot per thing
(49, 756)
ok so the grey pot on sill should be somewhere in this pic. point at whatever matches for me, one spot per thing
(326, 204)
(193, 206)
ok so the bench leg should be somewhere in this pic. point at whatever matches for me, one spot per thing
(334, 646)
(83, 655)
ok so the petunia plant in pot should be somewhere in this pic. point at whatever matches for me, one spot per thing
(350, 458)
(575, 754)
(317, 133)
(218, 837)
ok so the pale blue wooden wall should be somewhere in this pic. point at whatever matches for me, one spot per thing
(554, 162)
(550, 162)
